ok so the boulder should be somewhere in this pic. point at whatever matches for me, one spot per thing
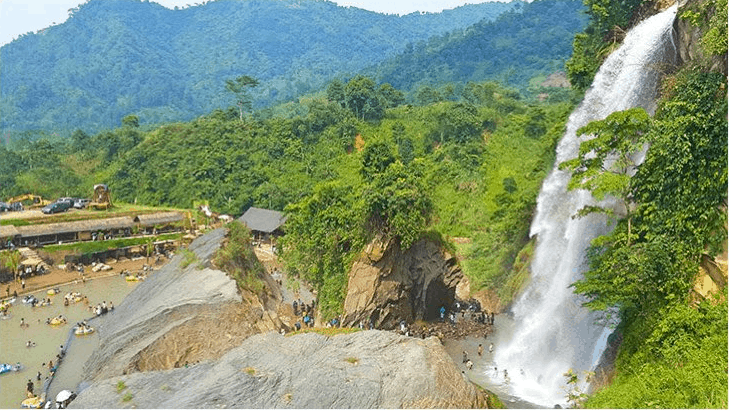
(387, 285)
(366, 369)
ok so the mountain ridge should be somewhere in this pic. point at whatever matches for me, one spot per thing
(126, 54)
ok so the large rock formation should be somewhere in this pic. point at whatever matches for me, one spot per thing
(688, 38)
(181, 314)
(387, 285)
(367, 369)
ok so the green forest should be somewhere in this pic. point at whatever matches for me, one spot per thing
(440, 142)
(469, 166)
(113, 58)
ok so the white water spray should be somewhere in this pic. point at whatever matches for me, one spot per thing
(552, 332)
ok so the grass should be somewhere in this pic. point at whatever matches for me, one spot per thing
(189, 258)
(127, 397)
(120, 386)
(249, 370)
(239, 261)
(352, 360)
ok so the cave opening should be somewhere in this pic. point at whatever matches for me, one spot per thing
(437, 295)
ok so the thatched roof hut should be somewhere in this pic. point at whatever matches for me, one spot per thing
(76, 226)
(148, 220)
(8, 231)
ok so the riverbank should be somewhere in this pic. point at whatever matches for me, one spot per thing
(58, 277)
(46, 339)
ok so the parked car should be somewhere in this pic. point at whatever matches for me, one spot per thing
(70, 200)
(81, 203)
(57, 207)
(4, 207)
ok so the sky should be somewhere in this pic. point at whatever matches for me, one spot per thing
(22, 16)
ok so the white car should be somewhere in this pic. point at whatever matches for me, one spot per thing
(81, 203)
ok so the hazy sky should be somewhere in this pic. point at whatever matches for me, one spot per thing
(21, 16)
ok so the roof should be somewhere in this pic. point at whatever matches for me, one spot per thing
(8, 231)
(75, 226)
(158, 218)
(259, 219)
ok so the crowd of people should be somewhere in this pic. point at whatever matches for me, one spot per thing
(305, 313)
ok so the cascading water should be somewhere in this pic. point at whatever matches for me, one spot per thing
(552, 333)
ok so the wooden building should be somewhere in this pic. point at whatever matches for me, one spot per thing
(264, 224)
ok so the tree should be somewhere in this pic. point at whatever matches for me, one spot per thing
(12, 262)
(240, 88)
(427, 95)
(457, 122)
(606, 162)
(392, 96)
(336, 92)
(377, 156)
(398, 203)
(131, 121)
(363, 99)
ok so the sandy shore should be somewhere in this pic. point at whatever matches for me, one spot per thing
(59, 277)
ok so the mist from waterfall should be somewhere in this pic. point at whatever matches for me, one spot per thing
(552, 333)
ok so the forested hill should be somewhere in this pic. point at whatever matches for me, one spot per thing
(519, 45)
(112, 58)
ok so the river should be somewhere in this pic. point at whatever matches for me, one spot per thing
(47, 338)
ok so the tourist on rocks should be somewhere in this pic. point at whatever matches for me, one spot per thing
(15, 293)
(30, 344)
(297, 326)
(111, 306)
(479, 350)
(370, 325)
(492, 318)
(61, 350)
(295, 307)
(491, 348)
(464, 357)
(442, 310)
(469, 364)
(50, 365)
(22, 284)
(23, 323)
(29, 388)
(306, 319)
(38, 376)
(360, 324)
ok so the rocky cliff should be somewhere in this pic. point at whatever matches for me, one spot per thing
(387, 284)
(366, 369)
(180, 314)
(688, 38)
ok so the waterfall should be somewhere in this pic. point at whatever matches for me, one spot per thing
(552, 332)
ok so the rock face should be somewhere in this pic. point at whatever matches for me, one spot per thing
(180, 314)
(387, 285)
(367, 369)
(688, 39)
